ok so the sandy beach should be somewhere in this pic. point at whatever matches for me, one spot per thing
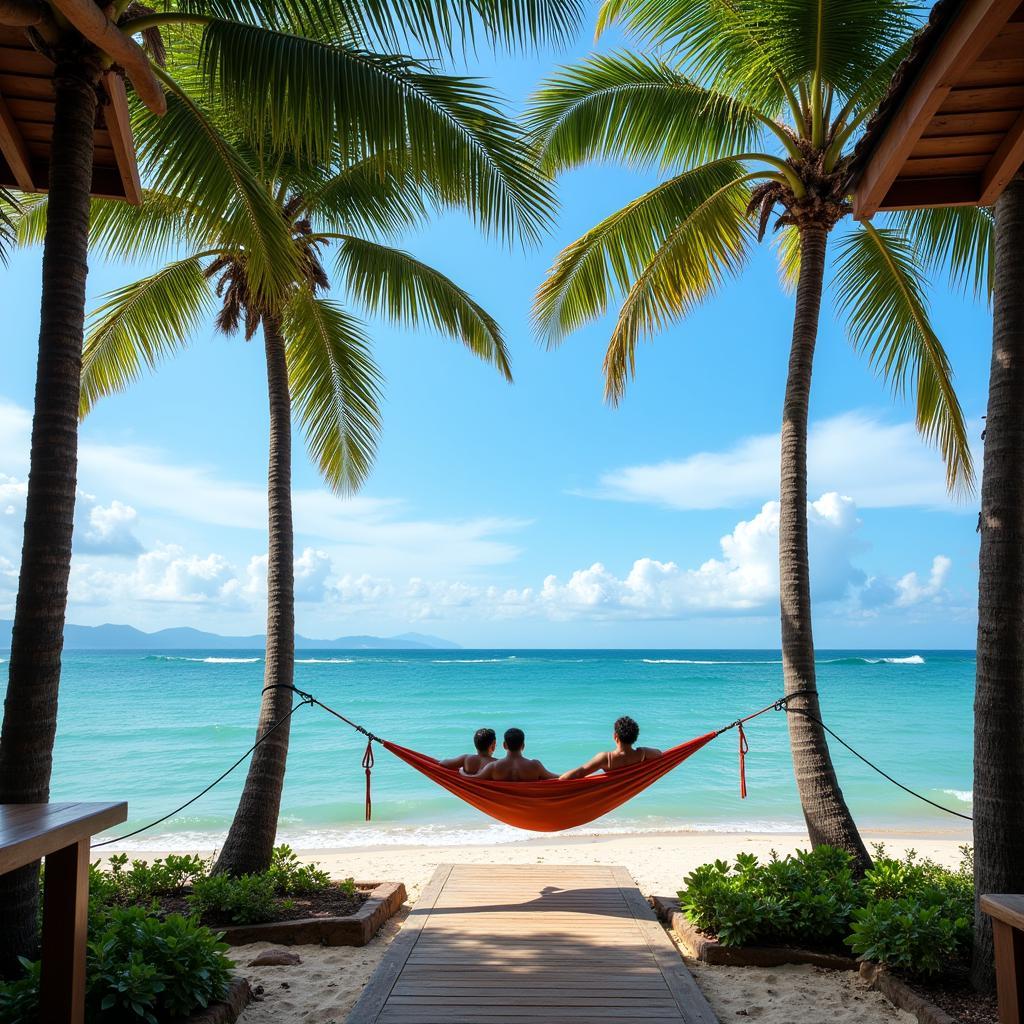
(325, 986)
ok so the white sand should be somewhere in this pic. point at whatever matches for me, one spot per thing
(325, 986)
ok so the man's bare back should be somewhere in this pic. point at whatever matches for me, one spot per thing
(469, 764)
(514, 766)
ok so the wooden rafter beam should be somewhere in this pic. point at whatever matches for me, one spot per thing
(120, 130)
(12, 145)
(977, 25)
(1005, 163)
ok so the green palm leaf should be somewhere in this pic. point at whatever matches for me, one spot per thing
(662, 253)
(307, 95)
(187, 155)
(140, 325)
(394, 284)
(335, 387)
(634, 108)
(881, 292)
(959, 238)
(10, 211)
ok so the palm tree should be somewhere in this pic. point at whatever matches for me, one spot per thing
(750, 110)
(318, 355)
(298, 71)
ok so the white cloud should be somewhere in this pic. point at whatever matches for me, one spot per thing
(880, 465)
(166, 574)
(110, 530)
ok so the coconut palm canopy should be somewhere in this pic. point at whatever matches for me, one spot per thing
(750, 109)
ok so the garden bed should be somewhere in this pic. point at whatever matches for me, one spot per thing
(226, 1011)
(709, 950)
(377, 902)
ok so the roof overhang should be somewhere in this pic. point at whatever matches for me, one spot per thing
(27, 101)
(951, 132)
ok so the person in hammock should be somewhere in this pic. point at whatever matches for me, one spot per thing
(625, 733)
(515, 766)
(470, 764)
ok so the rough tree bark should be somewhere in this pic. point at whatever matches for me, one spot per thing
(999, 690)
(30, 709)
(250, 840)
(825, 811)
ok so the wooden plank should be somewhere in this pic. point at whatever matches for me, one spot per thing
(983, 98)
(544, 944)
(12, 145)
(26, 836)
(377, 990)
(1005, 163)
(693, 1006)
(914, 193)
(957, 145)
(976, 26)
(994, 72)
(1008, 44)
(984, 122)
(1008, 908)
(1009, 962)
(119, 125)
(65, 927)
(946, 166)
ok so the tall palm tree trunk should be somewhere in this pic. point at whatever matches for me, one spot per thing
(30, 710)
(999, 690)
(250, 840)
(825, 811)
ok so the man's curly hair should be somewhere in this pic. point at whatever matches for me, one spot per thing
(626, 730)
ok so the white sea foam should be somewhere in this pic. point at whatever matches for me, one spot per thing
(914, 659)
(965, 796)
(325, 661)
(698, 661)
(473, 661)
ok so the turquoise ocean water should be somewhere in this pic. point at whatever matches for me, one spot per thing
(155, 727)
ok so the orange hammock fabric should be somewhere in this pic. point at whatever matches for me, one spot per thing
(554, 804)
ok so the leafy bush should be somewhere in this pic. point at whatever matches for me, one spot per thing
(916, 937)
(912, 914)
(144, 967)
(145, 881)
(809, 897)
(292, 877)
(19, 999)
(249, 899)
(139, 968)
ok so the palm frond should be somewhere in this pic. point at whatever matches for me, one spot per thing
(957, 239)
(187, 154)
(308, 95)
(336, 388)
(662, 253)
(787, 248)
(140, 325)
(637, 109)
(392, 283)
(10, 211)
(881, 292)
(445, 26)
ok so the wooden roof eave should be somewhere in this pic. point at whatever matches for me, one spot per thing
(975, 28)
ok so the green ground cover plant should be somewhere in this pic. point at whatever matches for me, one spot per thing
(911, 913)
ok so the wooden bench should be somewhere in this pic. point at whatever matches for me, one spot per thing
(1007, 913)
(61, 834)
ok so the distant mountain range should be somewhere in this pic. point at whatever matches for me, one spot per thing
(110, 637)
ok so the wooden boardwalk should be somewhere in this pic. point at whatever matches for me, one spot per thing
(534, 944)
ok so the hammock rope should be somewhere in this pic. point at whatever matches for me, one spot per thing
(457, 784)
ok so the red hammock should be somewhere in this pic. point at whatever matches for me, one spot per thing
(553, 804)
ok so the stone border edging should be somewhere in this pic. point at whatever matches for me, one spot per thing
(351, 930)
(711, 951)
(227, 1011)
(901, 995)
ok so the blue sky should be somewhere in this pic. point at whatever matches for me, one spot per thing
(525, 515)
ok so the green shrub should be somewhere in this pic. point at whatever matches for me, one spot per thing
(144, 968)
(249, 899)
(806, 898)
(911, 914)
(145, 881)
(908, 935)
(139, 968)
(19, 999)
(292, 877)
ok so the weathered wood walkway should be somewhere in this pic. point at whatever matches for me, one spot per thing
(535, 944)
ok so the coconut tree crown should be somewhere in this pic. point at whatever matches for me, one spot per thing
(751, 109)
